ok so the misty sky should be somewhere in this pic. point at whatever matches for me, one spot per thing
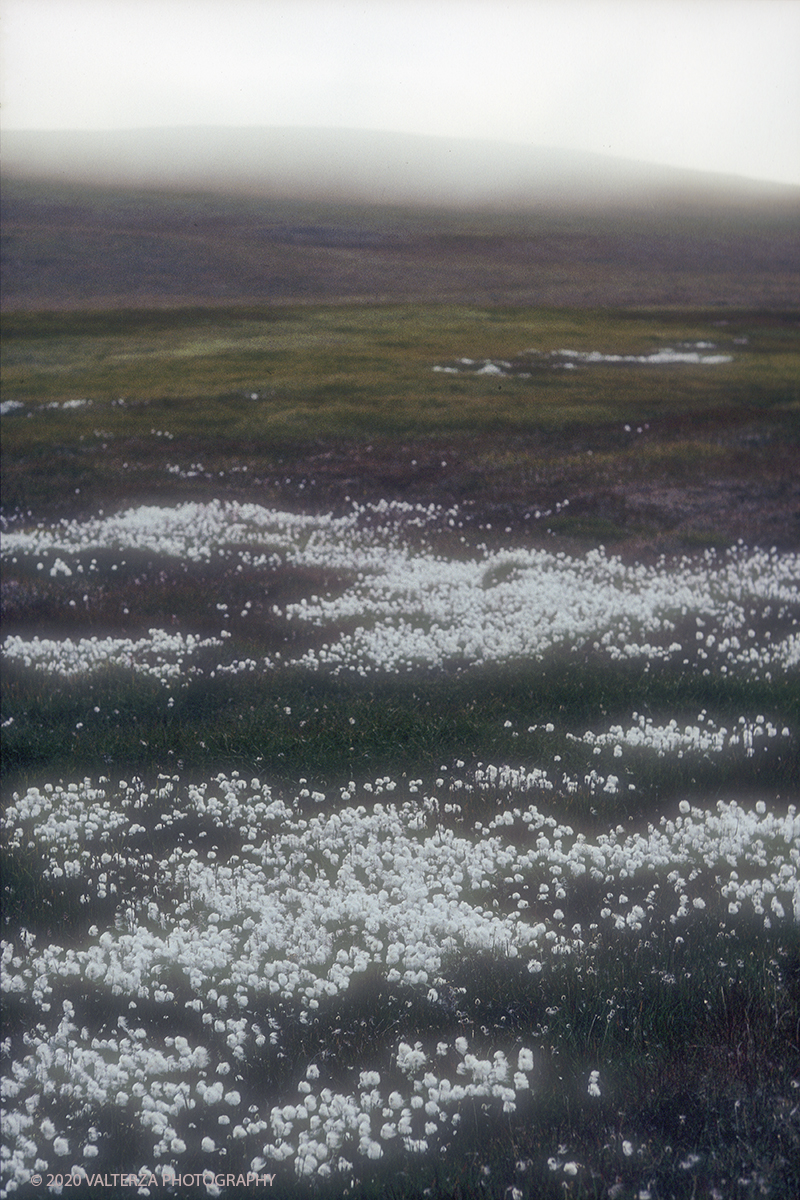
(708, 84)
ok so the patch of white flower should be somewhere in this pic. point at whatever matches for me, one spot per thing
(298, 915)
(165, 656)
(268, 920)
(303, 908)
(673, 739)
(405, 607)
(317, 1130)
(272, 907)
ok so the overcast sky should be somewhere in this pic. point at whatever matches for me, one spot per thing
(709, 84)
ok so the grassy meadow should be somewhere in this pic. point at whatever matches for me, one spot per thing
(400, 752)
(280, 391)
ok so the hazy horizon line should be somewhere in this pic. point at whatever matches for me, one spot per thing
(373, 167)
(366, 131)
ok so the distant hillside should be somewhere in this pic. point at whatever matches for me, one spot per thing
(143, 219)
(362, 167)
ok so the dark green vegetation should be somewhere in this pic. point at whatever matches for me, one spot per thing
(346, 370)
(294, 724)
(698, 1041)
(309, 406)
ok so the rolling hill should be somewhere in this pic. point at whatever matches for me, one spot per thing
(209, 216)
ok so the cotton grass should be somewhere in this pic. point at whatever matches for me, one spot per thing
(408, 608)
(221, 933)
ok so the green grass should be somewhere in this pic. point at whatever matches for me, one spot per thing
(337, 730)
(326, 378)
(342, 366)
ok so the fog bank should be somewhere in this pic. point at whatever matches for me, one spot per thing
(363, 167)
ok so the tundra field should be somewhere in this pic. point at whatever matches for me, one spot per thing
(400, 752)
